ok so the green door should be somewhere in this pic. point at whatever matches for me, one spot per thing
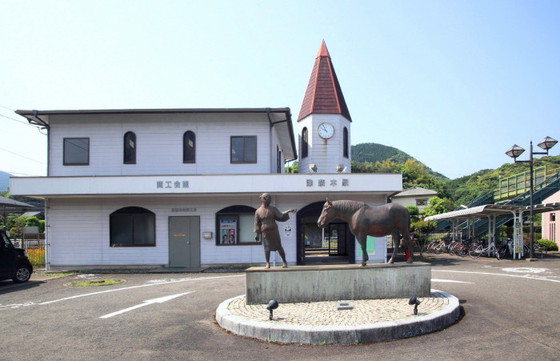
(184, 241)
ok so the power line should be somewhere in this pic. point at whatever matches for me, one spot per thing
(14, 119)
(22, 156)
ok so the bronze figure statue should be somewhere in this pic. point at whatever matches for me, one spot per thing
(363, 220)
(265, 227)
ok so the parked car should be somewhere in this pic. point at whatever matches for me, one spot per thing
(14, 263)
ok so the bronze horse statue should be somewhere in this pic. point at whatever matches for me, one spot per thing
(363, 220)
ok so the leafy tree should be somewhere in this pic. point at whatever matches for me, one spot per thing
(414, 213)
(437, 205)
(292, 167)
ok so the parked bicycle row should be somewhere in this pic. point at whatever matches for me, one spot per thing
(477, 248)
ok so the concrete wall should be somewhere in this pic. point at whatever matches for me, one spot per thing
(340, 282)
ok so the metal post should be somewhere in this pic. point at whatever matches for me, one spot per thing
(531, 229)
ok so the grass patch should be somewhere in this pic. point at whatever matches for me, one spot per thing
(95, 282)
(59, 274)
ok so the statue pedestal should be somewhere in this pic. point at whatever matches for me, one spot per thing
(337, 282)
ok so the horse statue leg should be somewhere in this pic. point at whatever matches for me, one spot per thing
(362, 241)
(408, 244)
(396, 241)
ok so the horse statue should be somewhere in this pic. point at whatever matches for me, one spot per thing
(363, 220)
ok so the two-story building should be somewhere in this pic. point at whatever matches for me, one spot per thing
(179, 187)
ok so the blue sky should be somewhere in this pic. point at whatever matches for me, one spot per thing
(452, 83)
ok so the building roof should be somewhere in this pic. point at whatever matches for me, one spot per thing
(323, 94)
(13, 203)
(415, 192)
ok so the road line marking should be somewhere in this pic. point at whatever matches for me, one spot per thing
(450, 281)
(146, 303)
(138, 286)
(527, 277)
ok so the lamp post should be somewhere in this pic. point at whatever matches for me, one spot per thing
(514, 152)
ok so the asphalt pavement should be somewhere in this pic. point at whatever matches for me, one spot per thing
(510, 312)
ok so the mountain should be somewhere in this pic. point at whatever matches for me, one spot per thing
(374, 152)
(4, 181)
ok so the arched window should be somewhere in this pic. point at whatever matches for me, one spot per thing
(189, 147)
(304, 143)
(235, 226)
(129, 146)
(345, 150)
(132, 227)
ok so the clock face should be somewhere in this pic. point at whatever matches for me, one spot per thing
(326, 130)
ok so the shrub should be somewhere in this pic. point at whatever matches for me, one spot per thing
(548, 244)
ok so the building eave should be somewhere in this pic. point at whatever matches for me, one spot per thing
(162, 185)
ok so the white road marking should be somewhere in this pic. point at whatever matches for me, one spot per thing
(450, 281)
(524, 269)
(139, 286)
(146, 303)
(527, 277)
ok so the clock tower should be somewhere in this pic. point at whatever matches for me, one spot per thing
(324, 121)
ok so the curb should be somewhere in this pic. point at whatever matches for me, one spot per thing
(339, 334)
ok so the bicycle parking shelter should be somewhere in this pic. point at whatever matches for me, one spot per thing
(491, 212)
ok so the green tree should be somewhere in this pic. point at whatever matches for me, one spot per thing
(414, 213)
(437, 205)
(292, 167)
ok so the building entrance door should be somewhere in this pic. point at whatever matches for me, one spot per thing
(184, 241)
(333, 244)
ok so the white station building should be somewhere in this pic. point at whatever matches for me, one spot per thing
(178, 188)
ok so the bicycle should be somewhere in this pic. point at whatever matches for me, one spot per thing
(539, 250)
(478, 250)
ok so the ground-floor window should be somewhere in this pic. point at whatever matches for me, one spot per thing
(235, 226)
(133, 227)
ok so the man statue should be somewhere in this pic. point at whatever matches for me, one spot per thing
(265, 226)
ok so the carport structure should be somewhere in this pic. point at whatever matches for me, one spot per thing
(490, 213)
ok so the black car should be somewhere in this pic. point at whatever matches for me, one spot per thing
(14, 264)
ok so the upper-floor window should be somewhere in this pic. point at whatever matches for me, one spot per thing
(243, 149)
(304, 143)
(76, 151)
(345, 150)
(129, 148)
(189, 147)
(132, 227)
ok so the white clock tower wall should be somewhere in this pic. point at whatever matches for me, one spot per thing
(327, 155)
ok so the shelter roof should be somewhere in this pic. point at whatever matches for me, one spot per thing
(493, 210)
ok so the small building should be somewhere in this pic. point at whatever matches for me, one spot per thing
(415, 196)
(8, 206)
(551, 221)
(179, 187)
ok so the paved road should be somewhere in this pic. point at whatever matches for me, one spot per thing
(511, 313)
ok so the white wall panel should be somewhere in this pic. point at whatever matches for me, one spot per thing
(160, 143)
(78, 229)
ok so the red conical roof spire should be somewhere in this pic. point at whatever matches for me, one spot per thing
(323, 94)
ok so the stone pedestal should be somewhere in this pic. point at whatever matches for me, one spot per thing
(337, 282)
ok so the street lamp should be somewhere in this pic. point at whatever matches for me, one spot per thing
(514, 152)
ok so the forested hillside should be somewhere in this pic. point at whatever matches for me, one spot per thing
(377, 158)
